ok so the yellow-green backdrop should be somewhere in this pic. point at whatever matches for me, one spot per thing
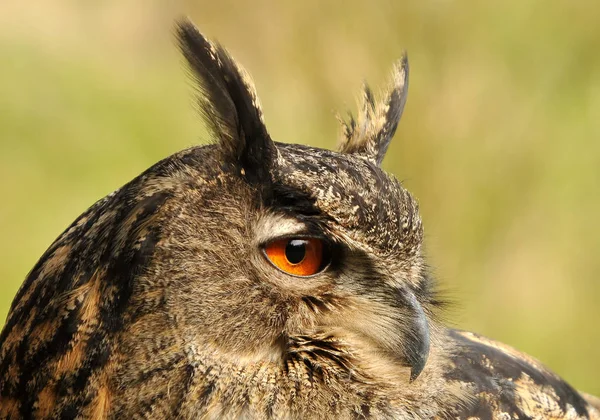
(500, 140)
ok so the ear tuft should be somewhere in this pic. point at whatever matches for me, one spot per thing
(228, 103)
(370, 135)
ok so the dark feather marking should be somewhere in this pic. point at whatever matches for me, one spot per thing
(70, 411)
(32, 367)
(99, 352)
(272, 400)
(187, 386)
(124, 264)
(293, 200)
(365, 411)
(207, 393)
(167, 366)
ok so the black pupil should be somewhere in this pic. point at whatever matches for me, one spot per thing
(295, 251)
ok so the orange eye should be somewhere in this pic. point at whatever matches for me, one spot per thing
(297, 256)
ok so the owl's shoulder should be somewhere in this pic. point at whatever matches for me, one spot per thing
(507, 384)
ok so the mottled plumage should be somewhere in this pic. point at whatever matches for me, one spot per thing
(159, 300)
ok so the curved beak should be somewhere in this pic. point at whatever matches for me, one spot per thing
(416, 346)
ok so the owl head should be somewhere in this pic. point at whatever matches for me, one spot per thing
(244, 255)
(283, 253)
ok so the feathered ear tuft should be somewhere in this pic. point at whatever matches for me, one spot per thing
(370, 135)
(228, 103)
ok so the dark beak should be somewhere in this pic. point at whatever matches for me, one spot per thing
(416, 346)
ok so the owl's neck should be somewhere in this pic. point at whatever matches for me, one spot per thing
(302, 385)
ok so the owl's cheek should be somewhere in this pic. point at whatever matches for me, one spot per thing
(396, 336)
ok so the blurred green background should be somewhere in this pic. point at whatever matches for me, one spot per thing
(499, 140)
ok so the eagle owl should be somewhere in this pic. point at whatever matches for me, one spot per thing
(255, 279)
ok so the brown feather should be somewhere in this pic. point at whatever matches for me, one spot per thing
(159, 301)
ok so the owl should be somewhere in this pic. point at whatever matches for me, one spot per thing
(255, 279)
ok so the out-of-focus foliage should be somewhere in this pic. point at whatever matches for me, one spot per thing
(500, 139)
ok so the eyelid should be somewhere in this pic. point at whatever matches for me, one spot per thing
(300, 235)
